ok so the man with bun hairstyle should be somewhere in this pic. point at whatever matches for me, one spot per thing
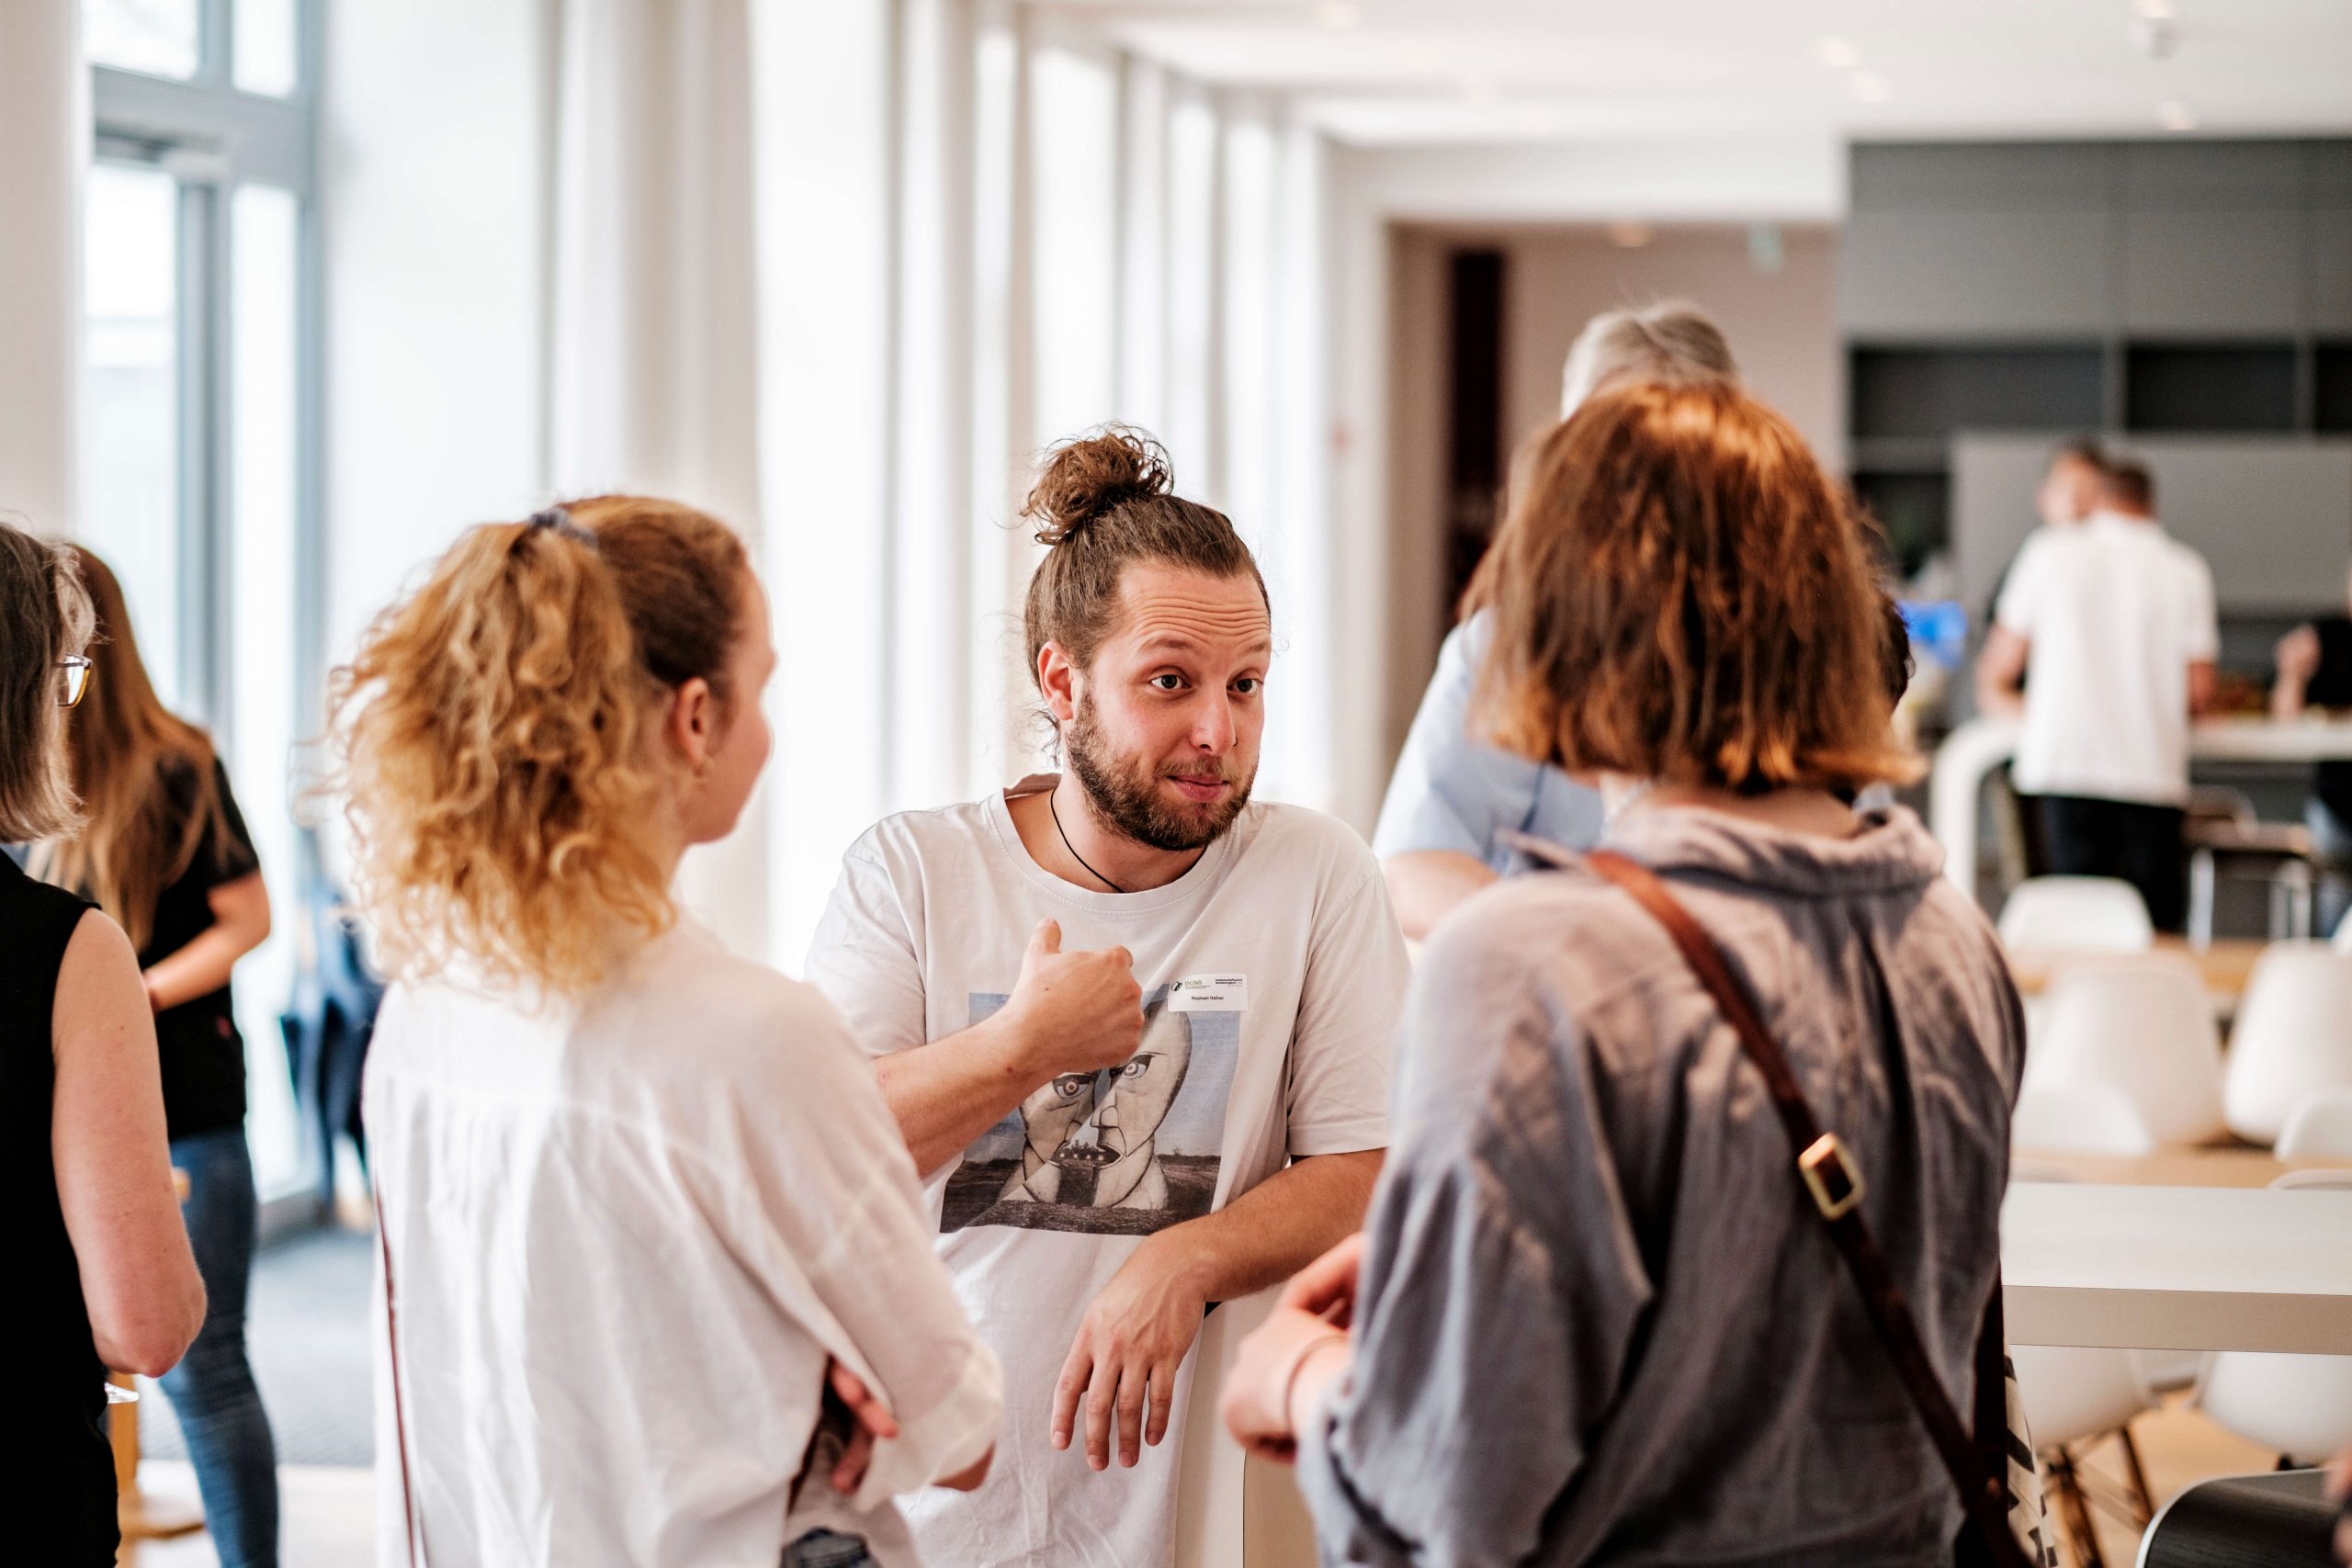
(1134, 1025)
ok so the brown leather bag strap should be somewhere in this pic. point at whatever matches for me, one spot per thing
(1836, 1188)
(411, 1527)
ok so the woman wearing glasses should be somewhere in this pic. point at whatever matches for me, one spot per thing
(162, 849)
(100, 1272)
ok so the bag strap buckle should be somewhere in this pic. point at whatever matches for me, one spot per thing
(1827, 1167)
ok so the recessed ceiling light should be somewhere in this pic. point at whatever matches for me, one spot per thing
(1837, 53)
(2154, 10)
(1870, 87)
(2174, 115)
(1629, 234)
(1338, 14)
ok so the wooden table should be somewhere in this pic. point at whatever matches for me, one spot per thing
(2234, 1165)
(2225, 966)
(2178, 1268)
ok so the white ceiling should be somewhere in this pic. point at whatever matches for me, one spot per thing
(1421, 73)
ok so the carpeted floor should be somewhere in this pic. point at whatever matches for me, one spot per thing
(306, 1330)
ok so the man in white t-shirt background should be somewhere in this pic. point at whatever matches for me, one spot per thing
(1134, 1027)
(2110, 625)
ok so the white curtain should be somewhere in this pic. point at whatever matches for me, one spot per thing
(44, 149)
(837, 273)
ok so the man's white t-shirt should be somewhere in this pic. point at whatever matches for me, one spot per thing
(2116, 611)
(625, 1233)
(1271, 972)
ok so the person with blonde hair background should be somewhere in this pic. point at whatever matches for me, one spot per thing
(1594, 1316)
(1452, 795)
(100, 1272)
(652, 1247)
(163, 849)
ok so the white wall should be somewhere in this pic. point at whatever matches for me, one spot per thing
(433, 206)
(1783, 324)
(45, 147)
(1793, 182)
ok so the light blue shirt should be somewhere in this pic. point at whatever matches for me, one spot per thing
(1450, 792)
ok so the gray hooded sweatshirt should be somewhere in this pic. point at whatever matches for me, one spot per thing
(1599, 1321)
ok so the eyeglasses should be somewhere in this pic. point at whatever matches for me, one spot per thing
(77, 679)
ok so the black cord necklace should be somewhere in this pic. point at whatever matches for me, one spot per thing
(1073, 848)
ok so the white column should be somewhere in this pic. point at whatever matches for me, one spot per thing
(825, 172)
(45, 147)
(654, 369)
(932, 736)
(999, 698)
(1310, 532)
(1143, 247)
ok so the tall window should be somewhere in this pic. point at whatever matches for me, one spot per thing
(199, 429)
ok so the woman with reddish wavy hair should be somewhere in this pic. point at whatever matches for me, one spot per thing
(1594, 1316)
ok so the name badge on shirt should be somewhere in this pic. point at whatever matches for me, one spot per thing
(1209, 993)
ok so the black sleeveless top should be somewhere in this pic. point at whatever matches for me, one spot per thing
(57, 1489)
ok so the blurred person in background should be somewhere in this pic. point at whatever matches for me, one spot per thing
(100, 1270)
(658, 1291)
(1452, 795)
(2075, 484)
(162, 850)
(2316, 670)
(1594, 1315)
(2103, 644)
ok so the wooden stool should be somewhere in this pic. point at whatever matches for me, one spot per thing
(141, 1517)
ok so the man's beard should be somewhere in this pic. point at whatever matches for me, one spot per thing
(1126, 797)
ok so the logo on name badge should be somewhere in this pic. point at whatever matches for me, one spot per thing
(1209, 993)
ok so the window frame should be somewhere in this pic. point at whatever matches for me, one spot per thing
(211, 137)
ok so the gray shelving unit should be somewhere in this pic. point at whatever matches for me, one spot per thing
(2163, 288)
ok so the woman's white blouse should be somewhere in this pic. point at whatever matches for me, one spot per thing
(624, 1232)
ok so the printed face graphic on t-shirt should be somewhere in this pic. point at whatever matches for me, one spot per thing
(1127, 1151)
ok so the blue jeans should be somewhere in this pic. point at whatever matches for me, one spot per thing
(827, 1549)
(212, 1390)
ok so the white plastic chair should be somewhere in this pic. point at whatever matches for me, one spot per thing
(2293, 1036)
(2320, 1127)
(2079, 914)
(2300, 1406)
(1233, 1511)
(2079, 1118)
(2071, 1395)
(2074, 1399)
(2143, 1027)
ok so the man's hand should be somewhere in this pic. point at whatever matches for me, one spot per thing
(2298, 653)
(1127, 1353)
(2339, 1486)
(1076, 1012)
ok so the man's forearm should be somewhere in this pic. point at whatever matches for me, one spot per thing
(1277, 1227)
(947, 1093)
(1426, 885)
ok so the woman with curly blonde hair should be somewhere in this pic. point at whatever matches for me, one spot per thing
(651, 1242)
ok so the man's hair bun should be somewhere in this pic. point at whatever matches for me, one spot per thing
(1091, 476)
